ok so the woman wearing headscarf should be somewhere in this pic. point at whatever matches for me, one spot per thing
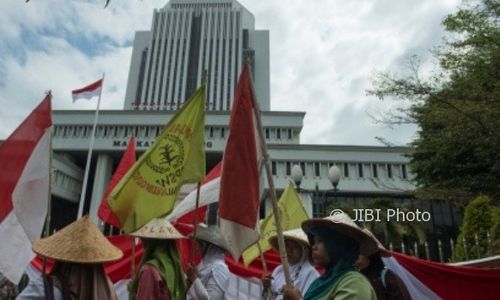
(210, 279)
(337, 242)
(301, 271)
(79, 251)
(387, 285)
(159, 274)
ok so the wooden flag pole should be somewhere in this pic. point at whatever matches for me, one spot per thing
(48, 220)
(195, 224)
(272, 190)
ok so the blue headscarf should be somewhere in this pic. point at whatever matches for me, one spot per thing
(342, 251)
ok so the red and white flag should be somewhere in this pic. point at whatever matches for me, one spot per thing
(128, 160)
(24, 189)
(88, 92)
(239, 191)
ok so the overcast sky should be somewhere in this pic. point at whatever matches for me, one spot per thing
(323, 54)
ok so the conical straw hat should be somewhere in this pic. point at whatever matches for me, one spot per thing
(342, 223)
(79, 242)
(297, 235)
(158, 228)
(213, 235)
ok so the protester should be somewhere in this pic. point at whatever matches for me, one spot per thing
(387, 285)
(302, 273)
(337, 241)
(79, 251)
(210, 280)
(160, 274)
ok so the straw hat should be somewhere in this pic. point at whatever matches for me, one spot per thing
(158, 228)
(79, 242)
(342, 223)
(298, 235)
(380, 248)
(212, 235)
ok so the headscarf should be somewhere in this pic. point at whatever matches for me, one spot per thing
(302, 274)
(163, 255)
(342, 251)
(83, 281)
(213, 265)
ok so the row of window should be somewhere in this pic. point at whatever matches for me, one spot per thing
(359, 170)
(81, 131)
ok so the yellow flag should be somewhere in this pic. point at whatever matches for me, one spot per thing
(292, 215)
(148, 190)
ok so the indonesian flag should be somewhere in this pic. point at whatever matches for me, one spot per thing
(88, 92)
(24, 189)
(239, 191)
(128, 159)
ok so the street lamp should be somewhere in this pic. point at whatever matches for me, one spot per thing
(297, 176)
(334, 176)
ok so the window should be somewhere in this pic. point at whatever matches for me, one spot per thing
(389, 170)
(267, 133)
(288, 168)
(289, 133)
(316, 169)
(346, 170)
(211, 134)
(360, 170)
(374, 170)
(147, 132)
(222, 132)
(278, 133)
(403, 171)
(273, 168)
(303, 167)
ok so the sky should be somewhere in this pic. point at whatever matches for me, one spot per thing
(323, 56)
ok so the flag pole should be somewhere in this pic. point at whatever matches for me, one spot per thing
(89, 156)
(272, 190)
(48, 220)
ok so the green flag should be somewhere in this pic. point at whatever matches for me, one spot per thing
(148, 190)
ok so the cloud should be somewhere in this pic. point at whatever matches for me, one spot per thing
(322, 56)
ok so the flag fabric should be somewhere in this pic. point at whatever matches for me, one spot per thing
(239, 191)
(128, 159)
(292, 215)
(149, 189)
(209, 193)
(24, 189)
(88, 92)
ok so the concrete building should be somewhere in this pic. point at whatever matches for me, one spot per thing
(167, 64)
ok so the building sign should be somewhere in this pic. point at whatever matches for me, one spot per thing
(146, 143)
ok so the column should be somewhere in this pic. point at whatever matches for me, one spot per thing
(102, 176)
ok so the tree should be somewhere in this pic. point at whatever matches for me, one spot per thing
(478, 222)
(457, 109)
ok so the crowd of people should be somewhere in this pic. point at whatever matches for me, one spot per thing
(329, 258)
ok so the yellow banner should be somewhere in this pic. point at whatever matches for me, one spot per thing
(150, 187)
(292, 214)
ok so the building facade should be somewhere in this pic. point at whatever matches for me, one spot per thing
(189, 39)
(186, 39)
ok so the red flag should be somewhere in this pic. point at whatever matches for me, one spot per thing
(128, 159)
(87, 92)
(239, 194)
(24, 189)
(185, 223)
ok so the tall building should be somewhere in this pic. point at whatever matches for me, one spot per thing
(187, 38)
(167, 64)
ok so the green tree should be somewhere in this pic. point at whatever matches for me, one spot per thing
(478, 221)
(457, 109)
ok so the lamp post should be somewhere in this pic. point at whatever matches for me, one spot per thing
(296, 175)
(334, 175)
